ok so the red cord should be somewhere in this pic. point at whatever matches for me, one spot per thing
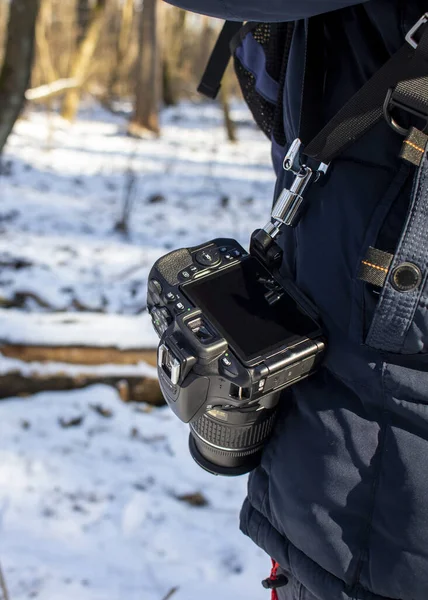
(274, 569)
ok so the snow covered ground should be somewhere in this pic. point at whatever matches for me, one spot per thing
(63, 189)
(94, 493)
(98, 510)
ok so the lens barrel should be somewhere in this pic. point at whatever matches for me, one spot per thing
(230, 442)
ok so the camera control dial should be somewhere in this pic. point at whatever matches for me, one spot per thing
(208, 257)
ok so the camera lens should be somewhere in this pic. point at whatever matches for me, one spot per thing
(230, 442)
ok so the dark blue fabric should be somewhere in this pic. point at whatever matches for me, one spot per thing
(340, 499)
(400, 321)
(268, 11)
(252, 57)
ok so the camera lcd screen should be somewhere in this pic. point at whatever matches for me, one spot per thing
(242, 303)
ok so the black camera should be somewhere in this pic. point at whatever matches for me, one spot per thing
(232, 338)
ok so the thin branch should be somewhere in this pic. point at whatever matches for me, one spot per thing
(3, 586)
(51, 89)
(170, 593)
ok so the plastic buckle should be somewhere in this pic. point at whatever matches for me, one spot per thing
(410, 37)
(391, 102)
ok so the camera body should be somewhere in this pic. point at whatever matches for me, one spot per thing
(231, 339)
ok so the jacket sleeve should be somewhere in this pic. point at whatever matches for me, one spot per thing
(263, 10)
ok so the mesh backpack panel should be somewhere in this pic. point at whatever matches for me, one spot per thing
(267, 61)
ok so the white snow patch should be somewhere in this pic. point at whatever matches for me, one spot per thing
(91, 511)
(77, 329)
(30, 369)
(63, 189)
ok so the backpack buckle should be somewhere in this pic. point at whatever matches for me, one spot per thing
(391, 102)
(412, 37)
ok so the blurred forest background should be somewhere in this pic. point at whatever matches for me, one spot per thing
(109, 158)
(148, 52)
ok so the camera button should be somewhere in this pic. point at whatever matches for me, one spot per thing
(159, 320)
(208, 257)
(235, 253)
(170, 297)
(166, 315)
(179, 307)
(228, 366)
(155, 290)
(185, 275)
(155, 286)
(226, 361)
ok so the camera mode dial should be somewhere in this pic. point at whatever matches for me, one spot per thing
(208, 257)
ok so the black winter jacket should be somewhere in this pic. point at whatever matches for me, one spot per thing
(341, 497)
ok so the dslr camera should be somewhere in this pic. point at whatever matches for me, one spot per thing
(233, 334)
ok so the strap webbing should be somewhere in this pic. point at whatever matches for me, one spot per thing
(413, 94)
(365, 108)
(406, 73)
(211, 79)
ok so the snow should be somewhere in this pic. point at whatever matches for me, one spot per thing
(29, 369)
(92, 511)
(63, 188)
(77, 329)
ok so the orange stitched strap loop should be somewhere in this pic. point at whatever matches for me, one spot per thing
(414, 146)
(374, 267)
(369, 264)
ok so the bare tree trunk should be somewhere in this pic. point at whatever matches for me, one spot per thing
(123, 42)
(62, 36)
(225, 103)
(83, 16)
(175, 24)
(16, 70)
(82, 59)
(205, 45)
(43, 58)
(148, 89)
(178, 34)
(4, 10)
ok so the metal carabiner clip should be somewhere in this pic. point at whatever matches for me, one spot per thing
(287, 209)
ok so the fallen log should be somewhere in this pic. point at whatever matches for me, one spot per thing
(131, 389)
(78, 355)
(26, 370)
(62, 351)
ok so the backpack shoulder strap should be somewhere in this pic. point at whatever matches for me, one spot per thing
(211, 79)
(402, 82)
